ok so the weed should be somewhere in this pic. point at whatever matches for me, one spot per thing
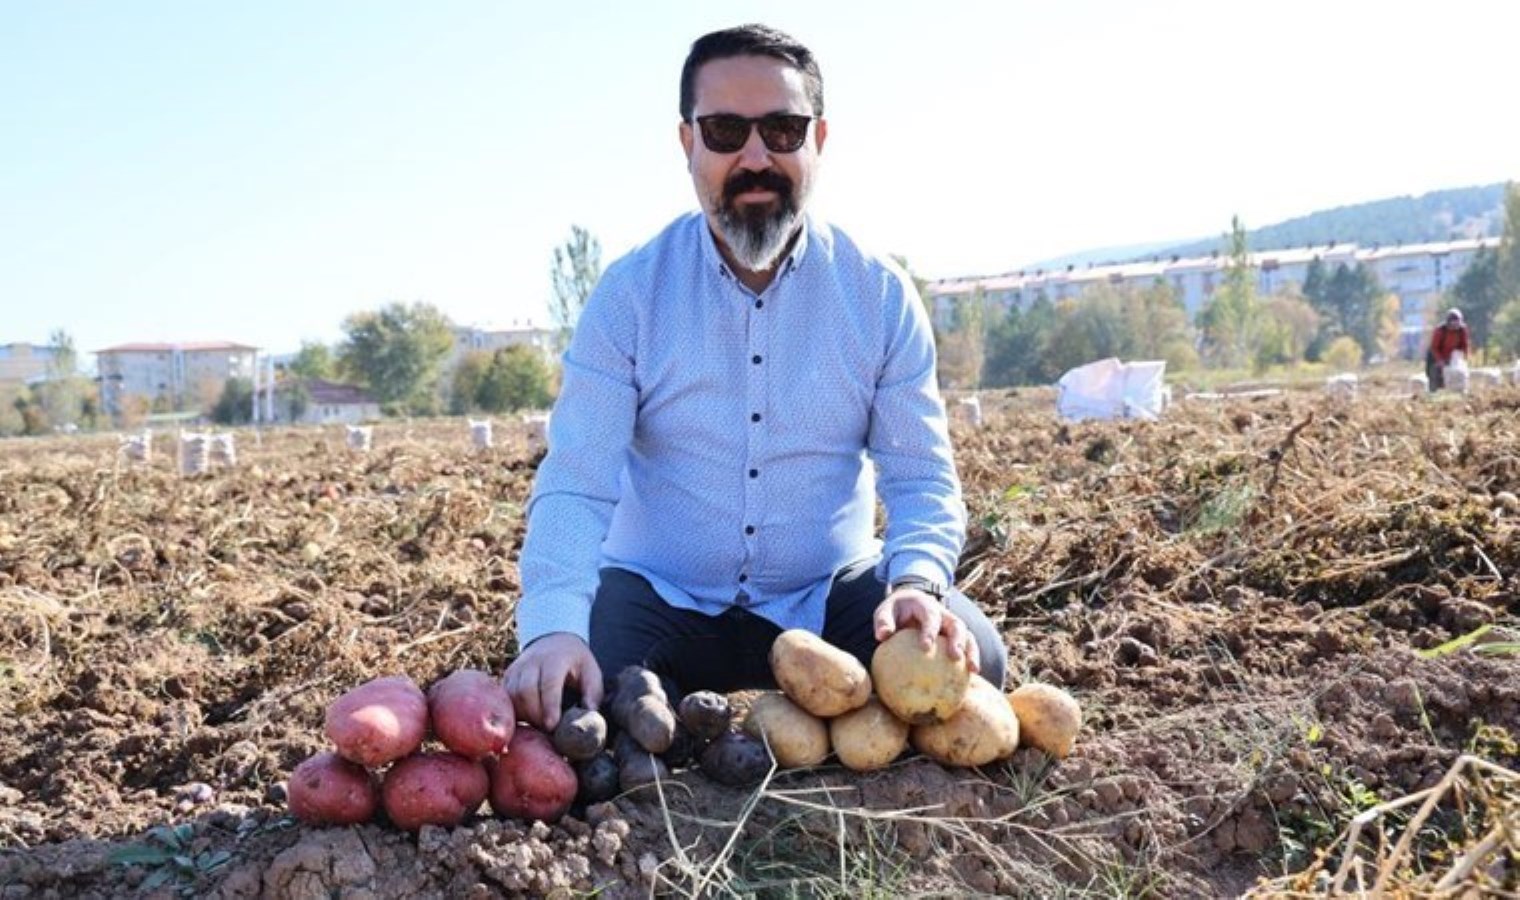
(169, 855)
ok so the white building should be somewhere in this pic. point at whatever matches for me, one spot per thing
(170, 376)
(490, 338)
(1420, 274)
(313, 401)
(22, 363)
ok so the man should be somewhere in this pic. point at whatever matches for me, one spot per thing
(1448, 338)
(707, 483)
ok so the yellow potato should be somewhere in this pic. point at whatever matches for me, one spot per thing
(817, 676)
(984, 729)
(797, 738)
(868, 738)
(1048, 716)
(919, 687)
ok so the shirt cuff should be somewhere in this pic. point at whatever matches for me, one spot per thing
(916, 564)
(541, 616)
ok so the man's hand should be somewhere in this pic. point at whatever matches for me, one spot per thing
(909, 607)
(537, 678)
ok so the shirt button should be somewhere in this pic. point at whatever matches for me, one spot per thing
(755, 359)
(759, 304)
(749, 529)
(743, 578)
(754, 417)
(754, 473)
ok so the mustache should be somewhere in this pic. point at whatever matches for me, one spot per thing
(763, 180)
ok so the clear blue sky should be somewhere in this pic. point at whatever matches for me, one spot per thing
(257, 171)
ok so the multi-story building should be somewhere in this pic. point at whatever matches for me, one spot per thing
(25, 363)
(1419, 274)
(489, 338)
(170, 376)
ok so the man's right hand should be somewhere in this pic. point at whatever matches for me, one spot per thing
(537, 678)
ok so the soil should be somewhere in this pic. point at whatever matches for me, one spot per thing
(1253, 599)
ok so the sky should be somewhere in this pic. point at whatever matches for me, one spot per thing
(256, 172)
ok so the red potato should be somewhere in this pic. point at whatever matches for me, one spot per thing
(329, 790)
(531, 781)
(471, 713)
(379, 721)
(434, 789)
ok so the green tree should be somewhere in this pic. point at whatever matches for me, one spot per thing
(1349, 299)
(1016, 345)
(12, 403)
(313, 360)
(577, 269)
(962, 347)
(517, 378)
(1232, 319)
(1086, 328)
(464, 386)
(1344, 354)
(235, 405)
(1290, 324)
(1479, 294)
(398, 352)
(61, 396)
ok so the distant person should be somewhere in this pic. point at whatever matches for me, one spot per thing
(735, 391)
(1449, 337)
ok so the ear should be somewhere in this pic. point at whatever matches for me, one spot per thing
(686, 141)
(820, 134)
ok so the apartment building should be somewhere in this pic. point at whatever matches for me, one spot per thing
(1419, 274)
(22, 363)
(490, 338)
(170, 376)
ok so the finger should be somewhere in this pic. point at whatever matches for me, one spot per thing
(591, 683)
(928, 626)
(523, 686)
(955, 636)
(885, 625)
(551, 690)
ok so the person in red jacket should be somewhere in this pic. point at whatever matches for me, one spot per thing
(1449, 337)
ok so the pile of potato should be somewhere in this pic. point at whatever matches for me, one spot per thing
(828, 702)
(382, 725)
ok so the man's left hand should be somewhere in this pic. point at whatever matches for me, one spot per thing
(908, 607)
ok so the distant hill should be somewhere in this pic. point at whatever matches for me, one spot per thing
(1437, 216)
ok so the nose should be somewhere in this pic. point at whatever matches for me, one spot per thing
(754, 155)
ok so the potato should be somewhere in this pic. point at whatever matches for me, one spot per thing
(598, 778)
(736, 759)
(379, 721)
(581, 734)
(817, 676)
(684, 750)
(919, 687)
(982, 730)
(637, 767)
(796, 737)
(868, 738)
(1049, 718)
(530, 780)
(639, 706)
(329, 790)
(472, 713)
(706, 714)
(433, 788)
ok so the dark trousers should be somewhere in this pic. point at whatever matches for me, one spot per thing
(1435, 373)
(630, 625)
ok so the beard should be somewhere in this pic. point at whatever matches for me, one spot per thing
(758, 233)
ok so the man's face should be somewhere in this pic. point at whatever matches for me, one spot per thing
(753, 197)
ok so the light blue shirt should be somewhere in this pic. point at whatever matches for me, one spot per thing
(725, 445)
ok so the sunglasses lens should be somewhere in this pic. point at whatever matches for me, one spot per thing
(727, 133)
(783, 133)
(724, 133)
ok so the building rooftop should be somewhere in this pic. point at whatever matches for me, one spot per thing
(187, 347)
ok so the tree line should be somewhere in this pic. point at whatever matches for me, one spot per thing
(1340, 316)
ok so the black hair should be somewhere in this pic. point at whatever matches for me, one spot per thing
(749, 40)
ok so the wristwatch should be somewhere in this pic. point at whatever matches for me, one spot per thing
(920, 583)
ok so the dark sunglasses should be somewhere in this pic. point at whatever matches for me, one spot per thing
(727, 133)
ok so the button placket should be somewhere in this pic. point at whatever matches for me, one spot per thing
(756, 384)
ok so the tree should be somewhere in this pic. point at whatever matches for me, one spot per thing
(235, 405)
(398, 353)
(1016, 345)
(577, 269)
(1231, 321)
(1289, 326)
(517, 378)
(962, 348)
(1155, 324)
(1344, 353)
(313, 360)
(61, 395)
(464, 386)
(1348, 299)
